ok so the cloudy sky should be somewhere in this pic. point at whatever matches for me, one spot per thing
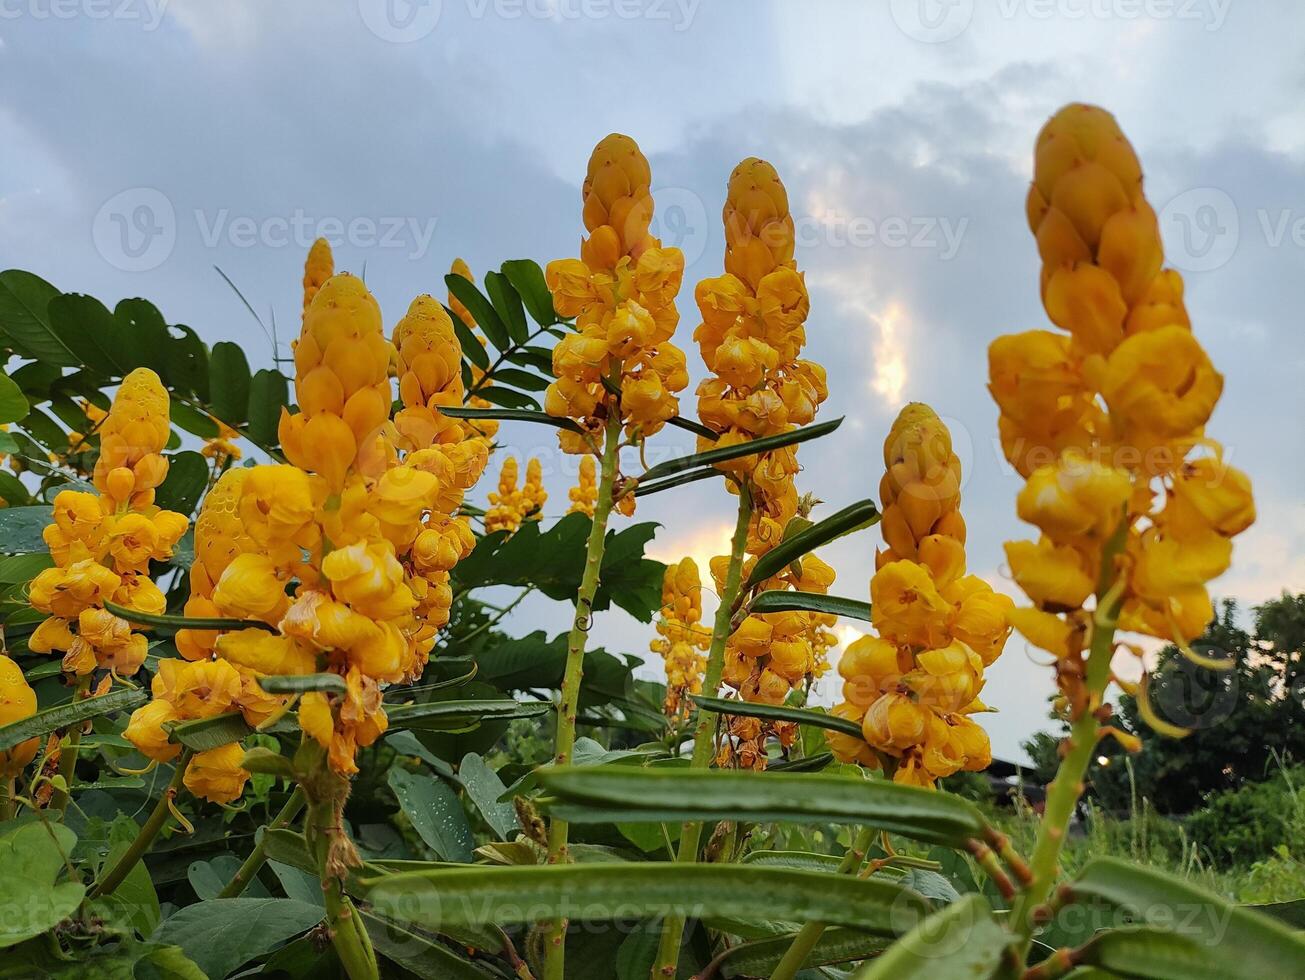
(147, 142)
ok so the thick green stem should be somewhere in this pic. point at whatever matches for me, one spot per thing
(1064, 791)
(558, 831)
(668, 952)
(146, 835)
(323, 830)
(68, 756)
(805, 941)
(252, 864)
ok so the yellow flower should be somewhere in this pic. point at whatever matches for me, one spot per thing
(1219, 493)
(116, 646)
(870, 667)
(145, 730)
(980, 620)
(1161, 381)
(849, 748)
(216, 775)
(947, 678)
(52, 634)
(276, 504)
(894, 723)
(906, 606)
(17, 701)
(266, 652)
(1046, 631)
(585, 493)
(200, 689)
(1075, 498)
(370, 579)
(1055, 577)
(65, 592)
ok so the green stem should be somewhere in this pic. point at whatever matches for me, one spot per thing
(805, 941)
(245, 874)
(68, 757)
(6, 799)
(146, 835)
(668, 952)
(1064, 791)
(321, 824)
(558, 831)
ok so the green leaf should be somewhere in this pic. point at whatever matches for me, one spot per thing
(184, 485)
(509, 415)
(185, 363)
(421, 955)
(192, 420)
(435, 813)
(778, 600)
(88, 329)
(1151, 954)
(268, 394)
(32, 900)
(765, 444)
(222, 934)
(483, 788)
(21, 528)
(142, 334)
(299, 683)
(229, 383)
(507, 398)
(507, 304)
(70, 713)
(472, 349)
(528, 280)
(679, 480)
(289, 848)
(759, 958)
(629, 794)
(466, 293)
(963, 940)
(697, 428)
(777, 712)
(539, 358)
(1243, 943)
(185, 622)
(24, 568)
(441, 898)
(517, 378)
(462, 714)
(13, 406)
(203, 734)
(24, 318)
(851, 518)
(134, 902)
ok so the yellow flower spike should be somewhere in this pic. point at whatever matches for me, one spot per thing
(430, 374)
(132, 436)
(318, 267)
(17, 701)
(585, 493)
(216, 775)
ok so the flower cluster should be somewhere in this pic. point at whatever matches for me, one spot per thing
(512, 504)
(17, 701)
(102, 543)
(1106, 420)
(751, 335)
(681, 638)
(914, 684)
(621, 292)
(343, 555)
(585, 493)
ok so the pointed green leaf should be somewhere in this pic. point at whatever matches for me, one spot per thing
(13, 404)
(421, 955)
(204, 734)
(779, 601)
(528, 280)
(88, 329)
(517, 378)
(482, 310)
(765, 444)
(679, 480)
(70, 713)
(697, 428)
(461, 714)
(299, 683)
(507, 304)
(435, 813)
(472, 349)
(963, 940)
(1241, 942)
(760, 957)
(855, 516)
(777, 712)
(594, 794)
(184, 485)
(441, 898)
(185, 622)
(507, 398)
(225, 933)
(509, 415)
